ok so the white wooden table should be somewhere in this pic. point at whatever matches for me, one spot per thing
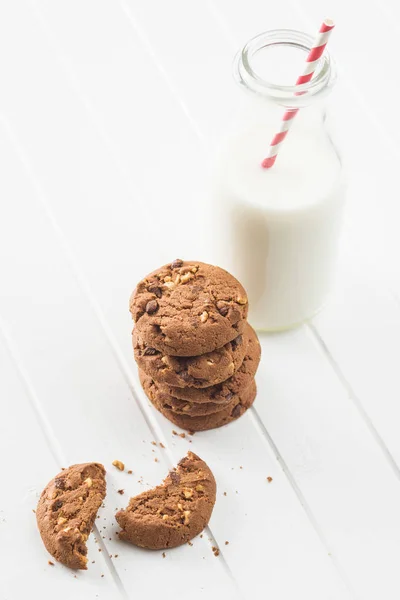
(108, 112)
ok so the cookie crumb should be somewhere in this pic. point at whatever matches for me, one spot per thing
(156, 460)
(34, 511)
(50, 563)
(201, 535)
(119, 465)
(181, 435)
(215, 550)
(162, 445)
(122, 492)
(225, 494)
(269, 479)
(115, 555)
(93, 561)
(99, 549)
(102, 575)
(164, 555)
(240, 467)
(153, 443)
(190, 543)
(227, 543)
(130, 472)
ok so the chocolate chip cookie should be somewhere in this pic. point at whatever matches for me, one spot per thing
(235, 409)
(165, 400)
(194, 371)
(173, 512)
(188, 308)
(67, 510)
(223, 392)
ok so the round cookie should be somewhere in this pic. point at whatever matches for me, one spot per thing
(233, 411)
(223, 392)
(174, 512)
(194, 371)
(166, 401)
(188, 308)
(67, 510)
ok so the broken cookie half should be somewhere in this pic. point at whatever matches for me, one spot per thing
(67, 510)
(174, 512)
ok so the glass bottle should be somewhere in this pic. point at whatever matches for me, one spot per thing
(277, 229)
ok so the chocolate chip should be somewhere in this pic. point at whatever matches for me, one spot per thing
(223, 308)
(228, 396)
(151, 307)
(149, 352)
(177, 263)
(154, 289)
(175, 477)
(57, 505)
(236, 342)
(59, 483)
(237, 411)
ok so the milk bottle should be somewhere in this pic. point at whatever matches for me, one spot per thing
(278, 228)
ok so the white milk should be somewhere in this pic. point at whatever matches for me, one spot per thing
(277, 229)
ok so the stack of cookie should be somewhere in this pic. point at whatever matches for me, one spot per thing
(196, 353)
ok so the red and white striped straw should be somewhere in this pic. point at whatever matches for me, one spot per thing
(312, 59)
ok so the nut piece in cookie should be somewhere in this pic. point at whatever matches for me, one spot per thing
(174, 512)
(67, 510)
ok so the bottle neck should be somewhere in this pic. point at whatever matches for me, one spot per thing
(255, 110)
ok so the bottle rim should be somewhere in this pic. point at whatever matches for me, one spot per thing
(296, 95)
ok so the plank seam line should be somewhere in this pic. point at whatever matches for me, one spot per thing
(266, 436)
(354, 398)
(52, 442)
(121, 362)
(133, 188)
(144, 40)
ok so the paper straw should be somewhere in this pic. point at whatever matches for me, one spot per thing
(312, 60)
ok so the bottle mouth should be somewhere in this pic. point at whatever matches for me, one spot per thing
(250, 76)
